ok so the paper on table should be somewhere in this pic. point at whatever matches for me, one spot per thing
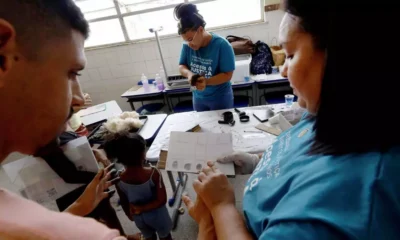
(92, 110)
(189, 152)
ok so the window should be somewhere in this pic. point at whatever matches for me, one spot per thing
(117, 21)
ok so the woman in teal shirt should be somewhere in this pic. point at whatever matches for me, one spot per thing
(336, 174)
(206, 54)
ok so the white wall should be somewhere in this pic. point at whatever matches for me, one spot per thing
(112, 71)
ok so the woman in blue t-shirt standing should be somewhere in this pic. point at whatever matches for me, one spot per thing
(206, 54)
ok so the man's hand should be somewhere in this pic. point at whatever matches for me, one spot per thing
(245, 163)
(214, 188)
(101, 157)
(94, 193)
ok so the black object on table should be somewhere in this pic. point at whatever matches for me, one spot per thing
(263, 115)
(227, 119)
(243, 116)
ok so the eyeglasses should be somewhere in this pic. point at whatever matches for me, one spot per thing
(195, 35)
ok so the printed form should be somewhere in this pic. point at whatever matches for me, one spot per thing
(189, 152)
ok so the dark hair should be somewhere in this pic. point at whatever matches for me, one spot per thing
(36, 21)
(189, 18)
(360, 86)
(127, 148)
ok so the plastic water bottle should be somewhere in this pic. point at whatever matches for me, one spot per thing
(162, 75)
(159, 82)
(145, 83)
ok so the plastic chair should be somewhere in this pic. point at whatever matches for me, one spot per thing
(242, 101)
(150, 108)
(184, 106)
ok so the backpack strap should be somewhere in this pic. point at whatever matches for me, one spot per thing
(232, 38)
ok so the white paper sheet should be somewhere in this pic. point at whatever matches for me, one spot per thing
(81, 154)
(92, 110)
(37, 180)
(189, 152)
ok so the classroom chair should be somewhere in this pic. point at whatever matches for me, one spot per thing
(242, 101)
(184, 106)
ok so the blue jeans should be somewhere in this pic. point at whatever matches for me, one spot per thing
(223, 102)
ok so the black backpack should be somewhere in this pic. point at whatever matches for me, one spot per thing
(262, 61)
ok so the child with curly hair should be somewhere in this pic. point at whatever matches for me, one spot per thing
(141, 190)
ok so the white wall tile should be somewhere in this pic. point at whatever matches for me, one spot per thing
(153, 67)
(124, 56)
(137, 54)
(150, 53)
(105, 73)
(125, 70)
(86, 86)
(96, 61)
(175, 49)
(151, 44)
(165, 50)
(139, 68)
(94, 74)
(172, 66)
(84, 76)
(112, 58)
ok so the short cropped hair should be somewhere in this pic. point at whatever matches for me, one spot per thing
(38, 21)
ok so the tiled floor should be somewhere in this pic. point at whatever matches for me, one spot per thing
(187, 228)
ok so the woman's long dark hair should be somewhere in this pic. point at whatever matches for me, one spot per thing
(189, 18)
(360, 88)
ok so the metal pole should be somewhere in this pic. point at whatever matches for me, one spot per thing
(161, 55)
(166, 99)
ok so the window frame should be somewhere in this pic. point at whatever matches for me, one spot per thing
(120, 16)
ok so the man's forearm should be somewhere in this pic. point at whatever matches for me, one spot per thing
(219, 79)
(229, 224)
(207, 231)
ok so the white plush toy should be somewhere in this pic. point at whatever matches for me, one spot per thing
(125, 122)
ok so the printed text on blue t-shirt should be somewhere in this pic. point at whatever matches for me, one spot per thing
(200, 65)
(267, 168)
